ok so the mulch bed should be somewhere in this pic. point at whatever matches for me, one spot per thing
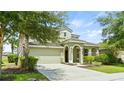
(7, 78)
(11, 71)
(14, 71)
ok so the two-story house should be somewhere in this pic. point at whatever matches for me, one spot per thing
(69, 49)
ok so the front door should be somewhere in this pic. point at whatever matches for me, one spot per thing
(66, 54)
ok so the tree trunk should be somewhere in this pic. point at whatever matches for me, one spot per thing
(1, 50)
(26, 48)
(12, 48)
(23, 49)
(21, 44)
(20, 50)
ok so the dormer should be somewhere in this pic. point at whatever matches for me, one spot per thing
(74, 36)
(65, 33)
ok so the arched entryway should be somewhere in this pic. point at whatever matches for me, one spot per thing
(66, 54)
(76, 54)
(85, 52)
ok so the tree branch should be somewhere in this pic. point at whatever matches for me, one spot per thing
(7, 38)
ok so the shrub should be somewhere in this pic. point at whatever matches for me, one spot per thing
(105, 59)
(114, 59)
(112, 53)
(108, 59)
(89, 59)
(12, 58)
(119, 60)
(30, 65)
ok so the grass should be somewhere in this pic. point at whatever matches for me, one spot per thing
(119, 65)
(6, 64)
(5, 60)
(25, 76)
(108, 68)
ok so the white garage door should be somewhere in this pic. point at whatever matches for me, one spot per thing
(47, 55)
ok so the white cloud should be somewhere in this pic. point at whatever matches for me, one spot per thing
(93, 36)
(77, 23)
(89, 24)
(100, 14)
(94, 33)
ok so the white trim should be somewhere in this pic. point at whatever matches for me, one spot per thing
(89, 52)
(76, 45)
(81, 55)
(71, 54)
(36, 46)
(97, 52)
(80, 58)
(66, 46)
(86, 45)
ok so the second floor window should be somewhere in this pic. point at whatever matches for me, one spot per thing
(64, 34)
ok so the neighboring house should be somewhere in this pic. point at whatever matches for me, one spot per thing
(121, 55)
(69, 49)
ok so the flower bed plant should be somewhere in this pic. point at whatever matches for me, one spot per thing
(12, 58)
(30, 65)
(89, 59)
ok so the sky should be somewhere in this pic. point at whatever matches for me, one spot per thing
(83, 23)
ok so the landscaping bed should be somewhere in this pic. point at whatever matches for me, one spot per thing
(17, 74)
(11, 72)
(107, 63)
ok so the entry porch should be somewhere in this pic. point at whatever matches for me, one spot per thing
(74, 51)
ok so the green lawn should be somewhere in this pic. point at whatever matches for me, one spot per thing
(5, 60)
(108, 69)
(25, 76)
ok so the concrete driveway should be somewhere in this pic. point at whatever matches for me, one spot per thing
(57, 72)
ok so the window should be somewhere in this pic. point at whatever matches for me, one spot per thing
(64, 34)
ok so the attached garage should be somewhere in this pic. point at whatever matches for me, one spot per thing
(47, 55)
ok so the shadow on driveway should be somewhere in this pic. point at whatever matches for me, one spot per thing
(52, 74)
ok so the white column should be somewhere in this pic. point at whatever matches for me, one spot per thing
(89, 52)
(97, 52)
(81, 55)
(70, 55)
(62, 56)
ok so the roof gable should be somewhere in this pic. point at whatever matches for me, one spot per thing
(79, 41)
(65, 28)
